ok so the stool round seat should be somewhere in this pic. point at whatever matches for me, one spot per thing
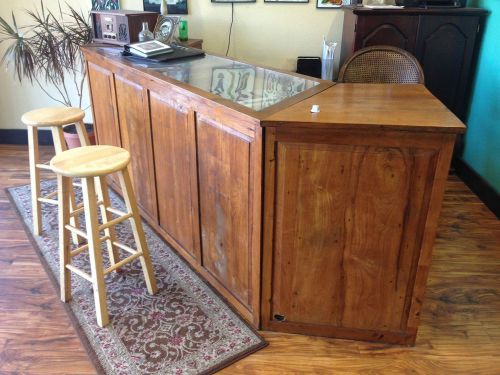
(53, 116)
(90, 161)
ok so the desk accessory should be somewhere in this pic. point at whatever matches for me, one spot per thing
(183, 30)
(119, 27)
(315, 108)
(309, 65)
(327, 60)
(149, 48)
(145, 34)
(177, 53)
(165, 28)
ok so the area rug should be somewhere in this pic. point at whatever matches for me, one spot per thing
(186, 328)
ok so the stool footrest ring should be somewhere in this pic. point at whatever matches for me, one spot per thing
(48, 200)
(122, 262)
(77, 231)
(79, 272)
(124, 247)
(44, 166)
(115, 221)
(86, 246)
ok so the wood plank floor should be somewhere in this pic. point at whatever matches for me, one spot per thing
(459, 334)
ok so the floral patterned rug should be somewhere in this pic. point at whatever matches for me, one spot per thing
(185, 328)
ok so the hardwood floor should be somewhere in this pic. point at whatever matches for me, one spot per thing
(459, 333)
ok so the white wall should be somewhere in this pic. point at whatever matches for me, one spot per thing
(263, 33)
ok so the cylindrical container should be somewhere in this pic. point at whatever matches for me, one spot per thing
(145, 34)
(183, 30)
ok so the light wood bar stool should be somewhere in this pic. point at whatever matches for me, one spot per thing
(54, 118)
(92, 164)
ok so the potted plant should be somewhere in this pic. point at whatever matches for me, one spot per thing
(47, 53)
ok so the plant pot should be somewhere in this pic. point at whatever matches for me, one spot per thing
(71, 136)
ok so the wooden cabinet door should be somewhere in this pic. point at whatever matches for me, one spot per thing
(349, 217)
(135, 128)
(397, 31)
(102, 91)
(229, 190)
(103, 105)
(174, 142)
(445, 49)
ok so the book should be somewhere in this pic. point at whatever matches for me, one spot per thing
(149, 48)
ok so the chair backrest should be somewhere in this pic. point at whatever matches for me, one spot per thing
(381, 64)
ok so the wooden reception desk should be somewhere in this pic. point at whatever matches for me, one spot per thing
(313, 223)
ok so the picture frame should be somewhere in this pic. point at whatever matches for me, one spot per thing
(105, 4)
(173, 6)
(288, 1)
(233, 1)
(235, 84)
(328, 4)
(165, 28)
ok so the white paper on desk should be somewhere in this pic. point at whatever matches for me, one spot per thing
(327, 60)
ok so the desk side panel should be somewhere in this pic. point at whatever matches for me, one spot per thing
(350, 215)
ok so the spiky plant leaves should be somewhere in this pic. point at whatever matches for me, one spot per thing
(49, 50)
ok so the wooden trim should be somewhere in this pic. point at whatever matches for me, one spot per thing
(400, 338)
(122, 65)
(479, 186)
(269, 161)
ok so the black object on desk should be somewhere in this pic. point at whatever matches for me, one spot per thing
(310, 66)
(180, 52)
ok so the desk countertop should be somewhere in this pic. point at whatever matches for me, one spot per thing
(387, 106)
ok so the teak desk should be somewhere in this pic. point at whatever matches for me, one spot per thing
(319, 224)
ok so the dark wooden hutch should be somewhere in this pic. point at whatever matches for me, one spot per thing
(444, 40)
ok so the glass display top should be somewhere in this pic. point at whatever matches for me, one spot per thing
(253, 87)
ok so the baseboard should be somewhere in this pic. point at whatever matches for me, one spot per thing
(478, 185)
(20, 137)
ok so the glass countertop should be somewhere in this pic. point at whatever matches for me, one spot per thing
(253, 87)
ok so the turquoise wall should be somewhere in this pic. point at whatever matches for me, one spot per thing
(482, 140)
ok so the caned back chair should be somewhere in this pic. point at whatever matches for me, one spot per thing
(381, 64)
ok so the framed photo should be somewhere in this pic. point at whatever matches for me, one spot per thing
(286, 1)
(328, 4)
(165, 28)
(105, 4)
(233, 1)
(173, 6)
(235, 84)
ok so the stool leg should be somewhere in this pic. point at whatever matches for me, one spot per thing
(103, 195)
(135, 220)
(60, 146)
(92, 224)
(35, 179)
(63, 184)
(82, 134)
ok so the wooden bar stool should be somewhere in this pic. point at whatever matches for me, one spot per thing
(54, 118)
(91, 164)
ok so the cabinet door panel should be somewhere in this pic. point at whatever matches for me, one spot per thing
(397, 31)
(135, 128)
(445, 50)
(225, 214)
(348, 229)
(175, 160)
(102, 91)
